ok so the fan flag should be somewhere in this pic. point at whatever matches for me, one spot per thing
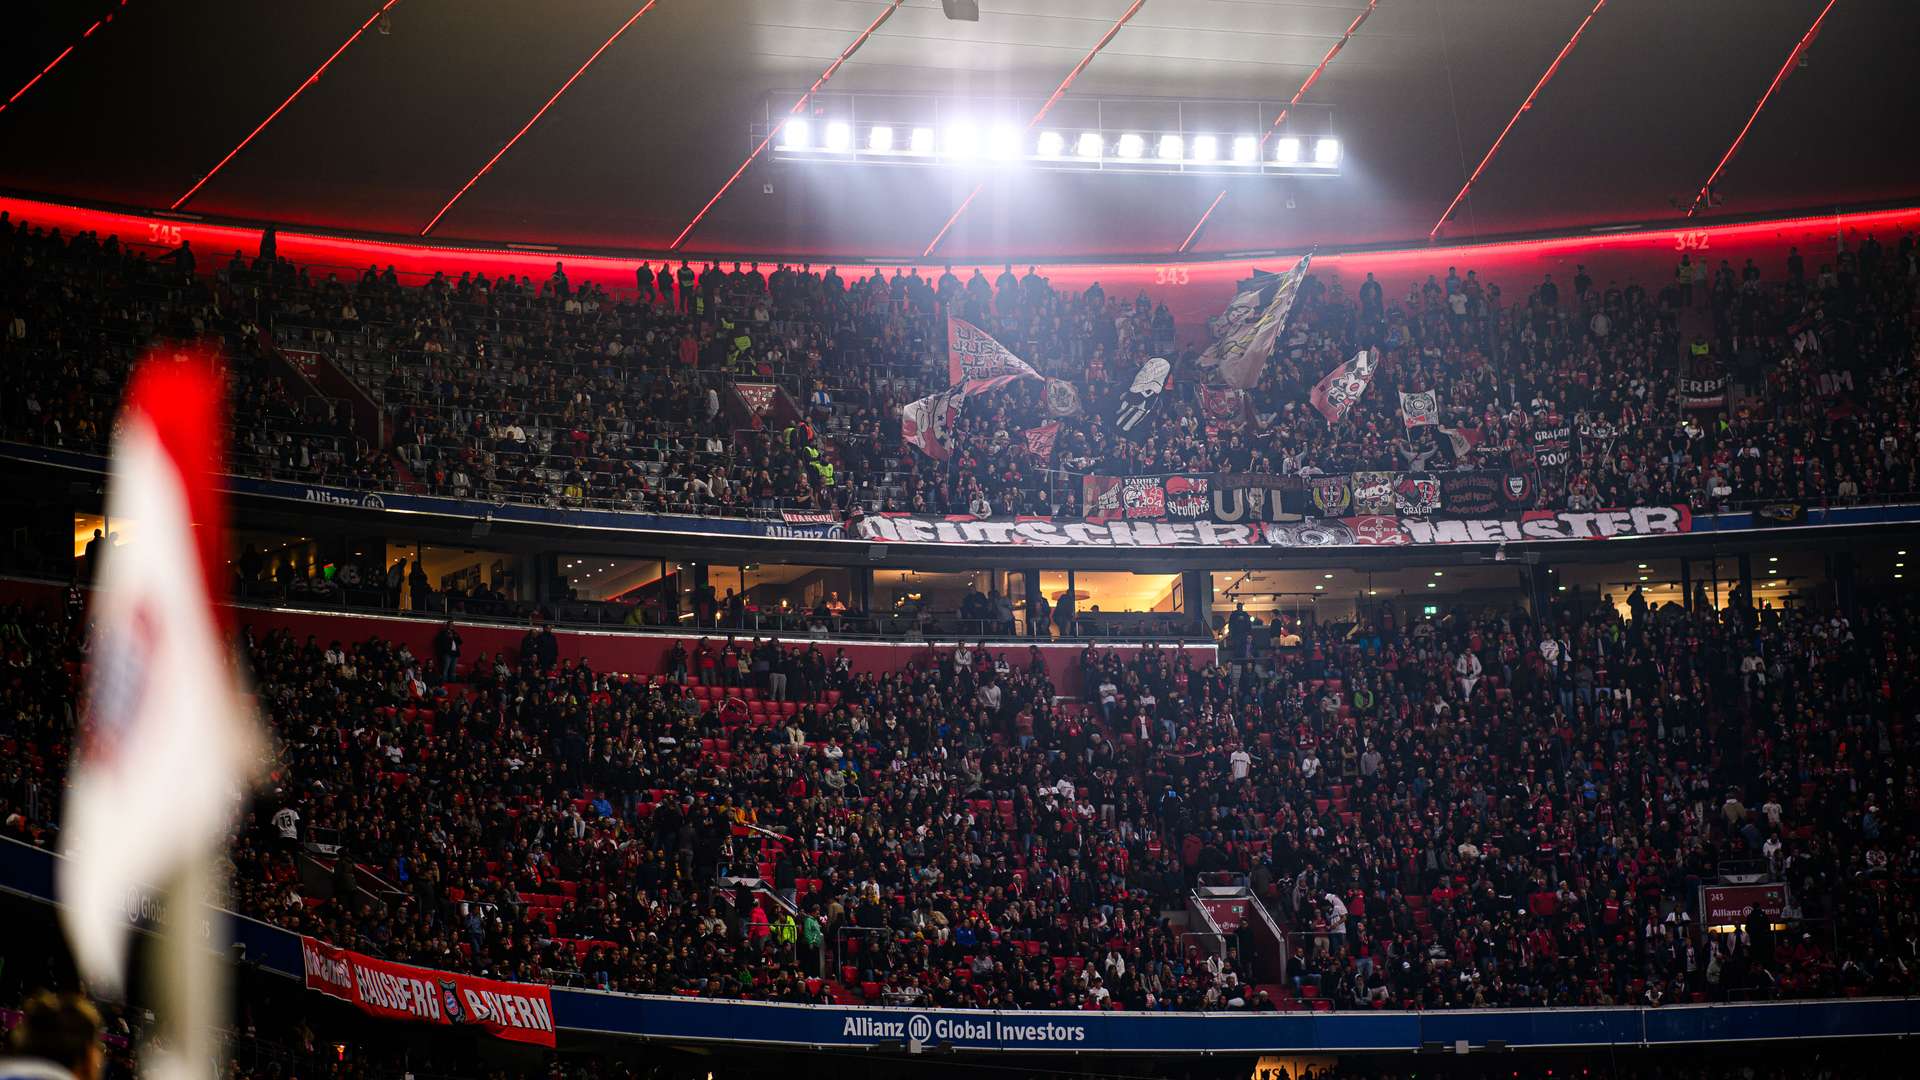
(166, 745)
(1335, 394)
(1243, 353)
(928, 423)
(976, 359)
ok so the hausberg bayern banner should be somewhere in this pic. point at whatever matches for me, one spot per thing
(1370, 531)
(517, 1012)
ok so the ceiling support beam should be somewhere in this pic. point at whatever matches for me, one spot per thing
(1312, 77)
(1704, 195)
(275, 114)
(1058, 92)
(524, 128)
(852, 47)
(55, 62)
(1524, 107)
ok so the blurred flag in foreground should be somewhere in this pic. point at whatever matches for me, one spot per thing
(166, 743)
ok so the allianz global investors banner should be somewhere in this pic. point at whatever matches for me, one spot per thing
(1375, 531)
(518, 1012)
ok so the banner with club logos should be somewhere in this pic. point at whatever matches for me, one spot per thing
(1370, 531)
(517, 1012)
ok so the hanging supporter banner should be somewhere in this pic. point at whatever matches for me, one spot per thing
(1773, 515)
(1331, 496)
(517, 1012)
(928, 423)
(1376, 531)
(1832, 385)
(1519, 490)
(1550, 446)
(1416, 494)
(1372, 492)
(1187, 498)
(1099, 497)
(1143, 497)
(1143, 396)
(1243, 497)
(1420, 409)
(1244, 370)
(1334, 395)
(1040, 439)
(1470, 493)
(1223, 406)
(757, 396)
(1703, 392)
(975, 358)
(1463, 442)
(1062, 399)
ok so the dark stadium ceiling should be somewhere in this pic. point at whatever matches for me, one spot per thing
(1636, 116)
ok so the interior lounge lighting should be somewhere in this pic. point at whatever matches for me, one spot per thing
(1090, 144)
(1004, 142)
(963, 141)
(1326, 152)
(1131, 146)
(1052, 144)
(1246, 149)
(796, 135)
(921, 141)
(1286, 150)
(839, 136)
(880, 138)
(1171, 148)
(1205, 147)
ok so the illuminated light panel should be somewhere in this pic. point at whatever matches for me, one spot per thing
(1793, 60)
(880, 139)
(1246, 150)
(1326, 152)
(298, 90)
(1089, 145)
(1171, 148)
(1130, 146)
(839, 137)
(963, 142)
(524, 128)
(1206, 147)
(1287, 150)
(1524, 106)
(796, 134)
(798, 106)
(1003, 142)
(920, 141)
(1052, 144)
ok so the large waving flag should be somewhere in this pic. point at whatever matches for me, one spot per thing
(1243, 354)
(1335, 394)
(929, 422)
(977, 360)
(167, 744)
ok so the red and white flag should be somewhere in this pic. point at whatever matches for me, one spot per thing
(1335, 394)
(929, 422)
(1040, 439)
(976, 359)
(167, 743)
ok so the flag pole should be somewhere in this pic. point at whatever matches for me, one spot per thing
(188, 981)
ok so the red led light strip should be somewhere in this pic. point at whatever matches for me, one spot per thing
(782, 122)
(1058, 92)
(1524, 106)
(528, 126)
(1312, 77)
(1793, 58)
(275, 114)
(55, 62)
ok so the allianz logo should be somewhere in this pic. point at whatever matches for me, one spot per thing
(920, 1028)
(334, 498)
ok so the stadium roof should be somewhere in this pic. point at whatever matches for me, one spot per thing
(407, 109)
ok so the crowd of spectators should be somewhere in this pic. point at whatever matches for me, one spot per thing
(1477, 809)
(544, 391)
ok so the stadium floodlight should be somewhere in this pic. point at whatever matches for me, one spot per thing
(839, 136)
(1130, 146)
(880, 138)
(1003, 142)
(963, 142)
(1286, 150)
(1326, 152)
(921, 141)
(1246, 150)
(1090, 144)
(796, 135)
(1172, 148)
(1205, 147)
(1052, 144)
